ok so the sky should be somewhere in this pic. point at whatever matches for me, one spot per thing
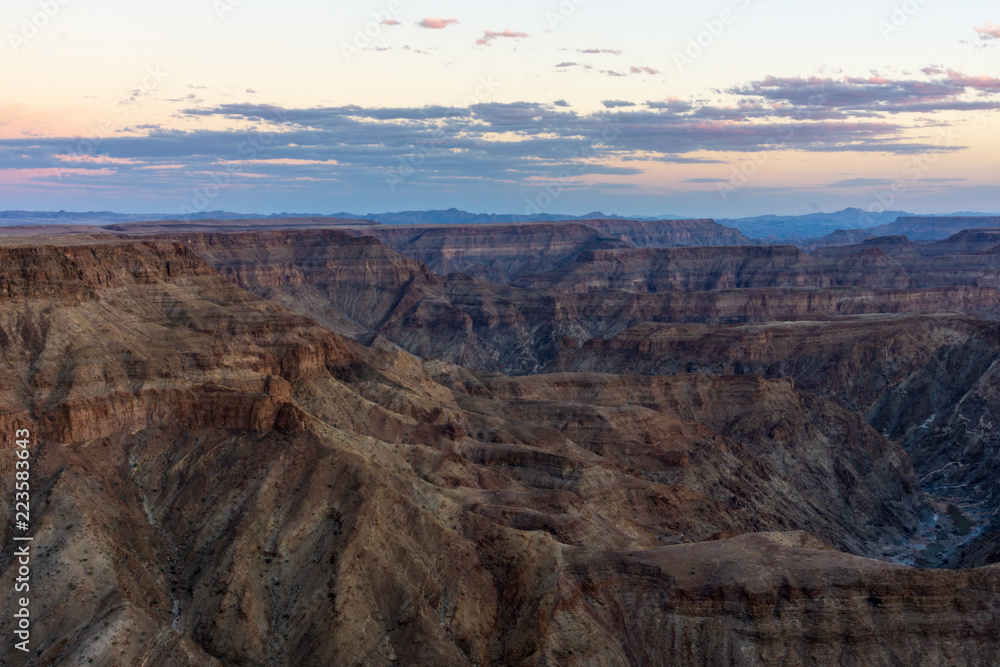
(718, 109)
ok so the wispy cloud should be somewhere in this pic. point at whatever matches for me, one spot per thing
(491, 35)
(704, 180)
(434, 23)
(861, 183)
(610, 72)
(989, 31)
(613, 52)
(877, 94)
(883, 182)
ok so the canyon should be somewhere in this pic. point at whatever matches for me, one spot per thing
(315, 441)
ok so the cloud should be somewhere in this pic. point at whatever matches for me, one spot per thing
(673, 104)
(988, 31)
(505, 145)
(613, 52)
(389, 22)
(547, 131)
(875, 94)
(490, 35)
(610, 72)
(434, 23)
(705, 180)
(884, 182)
(861, 183)
(990, 83)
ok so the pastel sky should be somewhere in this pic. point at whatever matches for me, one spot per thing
(721, 109)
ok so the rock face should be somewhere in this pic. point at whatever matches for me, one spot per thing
(670, 233)
(500, 253)
(793, 602)
(504, 253)
(971, 257)
(359, 288)
(970, 241)
(928, 382)
(221, 481)
(706, 269)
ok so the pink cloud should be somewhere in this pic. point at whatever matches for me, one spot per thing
(989, 31)
(434, 23)
(643, 70)
(94, 159)
(490, 35)
(977, 82)
(390, 22)
(43, 174)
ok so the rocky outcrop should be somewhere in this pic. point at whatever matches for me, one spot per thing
(500, 253)
(706, 269)
(971, 257)
(894, 246)
(350, 285)
(774, 599)
(926, 228)
(670, 233)
(504, 253)
(925, 381)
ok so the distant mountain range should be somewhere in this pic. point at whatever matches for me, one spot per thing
(850, 224)
(454, 216)
(451, 216)
(810, 226)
